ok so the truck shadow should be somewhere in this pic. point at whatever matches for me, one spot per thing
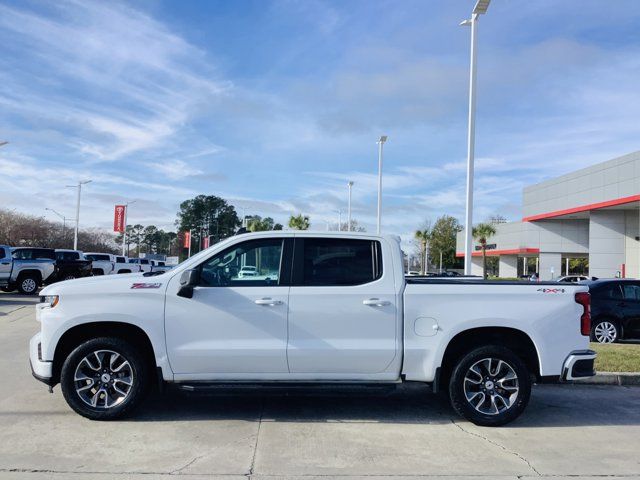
(550, 406)
(10, 301)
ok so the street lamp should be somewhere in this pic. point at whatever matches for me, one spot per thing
(479, 9)
(349, 184)
(380, 143)
(339, 220)
(3, 143)
(64, 221)
(124, 233)
(79, 187)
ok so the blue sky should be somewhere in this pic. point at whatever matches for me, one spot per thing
(276, 105)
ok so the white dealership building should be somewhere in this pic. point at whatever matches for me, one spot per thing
(592, 213)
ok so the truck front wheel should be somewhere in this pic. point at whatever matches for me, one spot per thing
(490, 386)
(104, 378)
(28, 284)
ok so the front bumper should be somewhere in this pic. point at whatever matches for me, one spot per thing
(40, 369)
(579, 364)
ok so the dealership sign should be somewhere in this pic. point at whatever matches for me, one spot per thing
(490, 246)
(118, 218)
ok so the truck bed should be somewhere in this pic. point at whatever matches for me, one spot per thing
(475, 281)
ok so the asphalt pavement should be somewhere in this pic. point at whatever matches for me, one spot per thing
(572, 431)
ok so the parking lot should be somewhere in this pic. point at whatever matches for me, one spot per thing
(572, 431)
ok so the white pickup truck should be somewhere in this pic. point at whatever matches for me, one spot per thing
(110, 264)
(338, 310)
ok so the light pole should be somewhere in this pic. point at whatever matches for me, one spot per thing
(380, 142)
(349, 184)
(124, 233)
(64, 220)
(479, 9)
(3, 143)
(79, 187)
(339, 220)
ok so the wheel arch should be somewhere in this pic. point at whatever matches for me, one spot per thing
(30, 271)
(463, 342)
(86, 331)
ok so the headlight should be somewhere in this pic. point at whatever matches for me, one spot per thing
(50, 300)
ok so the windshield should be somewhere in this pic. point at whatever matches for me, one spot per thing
(98, 257)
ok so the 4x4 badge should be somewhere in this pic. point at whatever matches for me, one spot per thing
(551, 290)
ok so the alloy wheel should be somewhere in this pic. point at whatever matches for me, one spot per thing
(491, 386)
(605, 332)
(29, 285)
(103, 379)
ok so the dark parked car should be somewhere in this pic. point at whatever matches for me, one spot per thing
(72, 264)
(615, 309)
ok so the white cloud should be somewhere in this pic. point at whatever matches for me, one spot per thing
(175, 170)
(134, 84)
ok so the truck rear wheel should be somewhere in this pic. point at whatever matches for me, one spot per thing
(28, 284)
(104, 378)
(490, 386)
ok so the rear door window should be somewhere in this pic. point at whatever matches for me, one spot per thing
(34, 254)
(98, 257)
(67, 256)
(609, 292)
(338, 262)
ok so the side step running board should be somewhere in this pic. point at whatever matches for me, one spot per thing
(284, 388)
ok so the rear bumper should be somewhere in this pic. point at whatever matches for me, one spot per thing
(40, 369)
(579, 364)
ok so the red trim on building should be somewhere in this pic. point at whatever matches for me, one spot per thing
(493, 253)
(583, 208)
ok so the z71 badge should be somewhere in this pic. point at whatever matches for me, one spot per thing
(146, 285)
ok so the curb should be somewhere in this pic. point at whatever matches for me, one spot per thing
(611, 378)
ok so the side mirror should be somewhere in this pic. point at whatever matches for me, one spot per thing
(188, 280)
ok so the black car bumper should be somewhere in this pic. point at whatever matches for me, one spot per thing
(579, 364)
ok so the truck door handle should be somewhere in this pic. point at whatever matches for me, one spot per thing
(376, 302)
(267, 302)
(6, 263)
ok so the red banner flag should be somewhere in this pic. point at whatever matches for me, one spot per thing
(118, 218)
(187, 239)
(205, 242)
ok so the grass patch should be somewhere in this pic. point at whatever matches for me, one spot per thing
(617, 357)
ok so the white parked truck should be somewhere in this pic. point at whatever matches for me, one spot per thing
(324, 309)
(110, 264)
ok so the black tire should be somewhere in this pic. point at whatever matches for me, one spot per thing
(517, 399)
(28, 284)
(605, 331)
(97, 272)
(135, 394)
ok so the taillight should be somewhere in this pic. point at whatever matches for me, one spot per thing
(584, 299)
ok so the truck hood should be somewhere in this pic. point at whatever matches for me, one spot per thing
(103, 283)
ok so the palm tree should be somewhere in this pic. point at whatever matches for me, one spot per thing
(481, 233)
(299, 222)
(424, 237)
